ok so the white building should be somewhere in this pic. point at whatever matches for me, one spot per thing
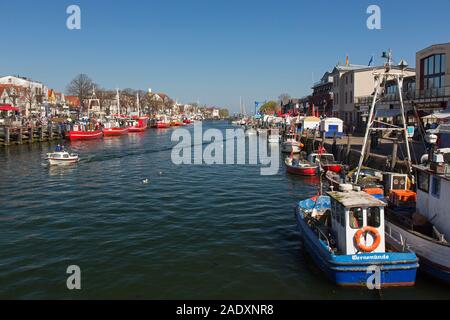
(24, 93)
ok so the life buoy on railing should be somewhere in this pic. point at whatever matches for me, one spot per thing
(376, 239)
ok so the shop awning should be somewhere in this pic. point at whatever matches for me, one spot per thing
(8, 107)
(439, 116)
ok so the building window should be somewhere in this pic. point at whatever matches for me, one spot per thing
(346, 79)
(434, 71)
(436, 187)
(351, 96)
(423, 180)
(346, 98)
(351, 78)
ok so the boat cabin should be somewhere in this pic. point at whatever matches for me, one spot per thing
(351, 213)
(433, 188)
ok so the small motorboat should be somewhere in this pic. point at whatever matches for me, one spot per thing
(326, 161)
(301, 167)
(344, 233)
(62, 158)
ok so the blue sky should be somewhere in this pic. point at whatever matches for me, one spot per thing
(213, 51)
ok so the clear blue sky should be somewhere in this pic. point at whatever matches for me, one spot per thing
(210, 50)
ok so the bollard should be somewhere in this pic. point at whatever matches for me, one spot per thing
(20, 137)
(50, 131)
(41, 133)
(31, 135)
(7, 136)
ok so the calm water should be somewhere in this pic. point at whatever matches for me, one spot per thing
(191, 232)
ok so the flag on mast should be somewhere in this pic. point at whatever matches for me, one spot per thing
(346, 60)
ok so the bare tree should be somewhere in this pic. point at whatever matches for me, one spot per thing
(106, 98)
(29, 95)
(284, 97)
(81, 86)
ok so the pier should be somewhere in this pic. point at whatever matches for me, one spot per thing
(389, 154)
(24, 135)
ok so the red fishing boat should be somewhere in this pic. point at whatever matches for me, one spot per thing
(162, 125)
(108, 132)
(85, 135)
(302, 168)
(139, 126)
(326, 161)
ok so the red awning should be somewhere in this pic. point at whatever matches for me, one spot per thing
(8, 107)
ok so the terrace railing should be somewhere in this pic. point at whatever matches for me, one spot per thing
(427, 95)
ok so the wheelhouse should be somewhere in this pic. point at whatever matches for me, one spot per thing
(352, 214)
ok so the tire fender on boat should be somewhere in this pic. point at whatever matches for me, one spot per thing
(376, 239)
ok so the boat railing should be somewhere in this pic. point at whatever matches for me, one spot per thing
(437, 235)
(323, 237)
(396, 236)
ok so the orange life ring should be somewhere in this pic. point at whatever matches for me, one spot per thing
(376, 242)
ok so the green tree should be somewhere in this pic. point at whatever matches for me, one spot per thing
(223, 113)
(269, 108)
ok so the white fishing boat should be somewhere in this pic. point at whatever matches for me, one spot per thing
(291, 145)
(62, 158)
(273, 139)
(421, 220)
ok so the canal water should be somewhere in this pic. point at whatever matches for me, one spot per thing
(192, 231)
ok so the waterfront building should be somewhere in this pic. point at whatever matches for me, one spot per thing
(352, 89)
(291, 106)
(322, 96)
(26, 94)
(432, 90)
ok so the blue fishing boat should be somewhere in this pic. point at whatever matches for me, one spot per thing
(343, 232)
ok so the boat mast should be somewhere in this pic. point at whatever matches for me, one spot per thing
(118, 103)
(137, 103)
(380, 79)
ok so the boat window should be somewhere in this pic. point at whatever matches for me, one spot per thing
(423, 181)
(356, 218)
(436, 187)
(342, 215)
(327, 157)
(373, 217)
(65, 156)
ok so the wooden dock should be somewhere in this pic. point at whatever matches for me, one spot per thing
(389, 155)
(23, 135)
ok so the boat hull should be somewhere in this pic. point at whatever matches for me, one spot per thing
(162, 125)
(302, 169)
(136, 129)
(85, 135)
(62, 162)
(396, 268)
(115, 131)
(434, 257)
(332, 167)
(288, 147)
